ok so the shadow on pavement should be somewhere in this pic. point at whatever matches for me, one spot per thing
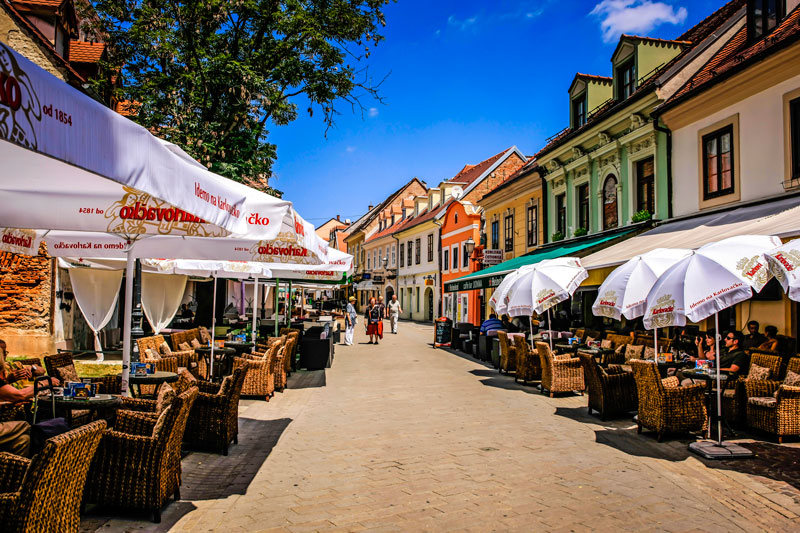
(306, 379)
(773, 461)
(206, 476)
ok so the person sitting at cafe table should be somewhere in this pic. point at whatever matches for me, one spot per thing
(16, 383)
(734, 359)
(754, 338)
(508, 325)
(490, 326)
(706, 346)
(771, 340)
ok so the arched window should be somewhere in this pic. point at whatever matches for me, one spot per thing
(610, 202)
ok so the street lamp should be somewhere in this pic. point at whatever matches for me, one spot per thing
(469, 247)
(385, 262)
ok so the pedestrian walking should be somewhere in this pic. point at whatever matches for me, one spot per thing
(382, 307)
(373, 318)
(350, 318)
(394, 310)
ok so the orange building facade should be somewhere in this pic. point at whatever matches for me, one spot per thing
(461, 228)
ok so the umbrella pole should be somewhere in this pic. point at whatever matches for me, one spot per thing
(277, 300)
(655, 342)
(719, 391)
(213, 326)
(126, 337)
(550, 329)
(289, 306)
(255, 313)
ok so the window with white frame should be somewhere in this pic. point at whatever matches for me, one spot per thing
(446, 260)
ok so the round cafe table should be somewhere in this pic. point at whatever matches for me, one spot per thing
(240, 347)
(710, 378)
(156, 378)
(224, 359)
(106, 405)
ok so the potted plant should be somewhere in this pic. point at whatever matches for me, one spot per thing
(580, 232)
(641, 216)
(558, 236)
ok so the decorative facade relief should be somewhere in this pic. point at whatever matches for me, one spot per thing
(605, 138)
(641, 144)
(637, 121)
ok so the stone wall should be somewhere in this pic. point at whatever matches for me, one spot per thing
(26, 296)
(20, 40)
(503, 171)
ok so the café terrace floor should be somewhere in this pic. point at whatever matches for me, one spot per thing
(402, 437)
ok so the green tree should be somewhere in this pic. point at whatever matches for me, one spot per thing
(212, 75)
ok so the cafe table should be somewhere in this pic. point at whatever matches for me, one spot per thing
(710, 378)
(156, 378)
(240, 347)
(105, 405)
(224, 359)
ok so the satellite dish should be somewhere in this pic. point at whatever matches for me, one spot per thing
(457, 192)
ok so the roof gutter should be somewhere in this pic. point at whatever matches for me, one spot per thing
(658, 127)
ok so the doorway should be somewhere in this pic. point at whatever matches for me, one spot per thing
(429, 304)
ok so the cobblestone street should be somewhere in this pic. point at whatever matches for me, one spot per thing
(401, 437)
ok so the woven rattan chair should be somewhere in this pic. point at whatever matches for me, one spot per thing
(778, 414)
(138, 462)
(44, 493)
(108, 384)
(173, 361)
(765, 412)
(612, 390)
(279, 366)
(291, 362)
(559, 374)
(667, 408)
(528, 366)
(11, 411)
(214, 420)
(260, 378)
(734, 397)
(508, 354)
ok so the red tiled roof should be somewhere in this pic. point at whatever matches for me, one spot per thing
(42, 3)
(391, 229)
(737, 54)
(525, 169)
(470, 173)
(653, 39)
(705, 27)
(83, 52)
(594, 77)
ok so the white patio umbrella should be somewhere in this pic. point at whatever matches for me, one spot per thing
(710, 279)
(624, 291)
(539, 287)
(784, 264)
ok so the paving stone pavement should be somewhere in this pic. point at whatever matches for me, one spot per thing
(402, 437)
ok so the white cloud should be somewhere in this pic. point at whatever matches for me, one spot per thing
(463, 24)
(373, 112)
(634, 16)
(350, 149)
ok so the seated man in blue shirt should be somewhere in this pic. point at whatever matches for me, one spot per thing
(491, 325)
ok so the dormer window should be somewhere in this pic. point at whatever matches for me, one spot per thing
(763, 16)
(579, 111)
(626, 79)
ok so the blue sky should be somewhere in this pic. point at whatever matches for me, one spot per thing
(466, 80)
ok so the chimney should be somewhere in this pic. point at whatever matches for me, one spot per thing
(338, 218)
(370, 207)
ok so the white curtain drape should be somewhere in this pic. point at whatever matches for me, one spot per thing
(161, 298)
(96, 292)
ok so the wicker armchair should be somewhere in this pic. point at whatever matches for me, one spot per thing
(173, 361)
(528, 366)
(612, 391)
(108, 384)
(11, 411)
(734, 396)
(214, 420)
(663, 408)
(291, 362)
(260, 378)
(279, 365)
(559, 374)
(764, 412)
(44, 493)
(778, 414)
(508, 353)
(135, 465)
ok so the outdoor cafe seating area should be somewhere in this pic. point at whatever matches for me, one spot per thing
(622, 377)
(126, 451)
